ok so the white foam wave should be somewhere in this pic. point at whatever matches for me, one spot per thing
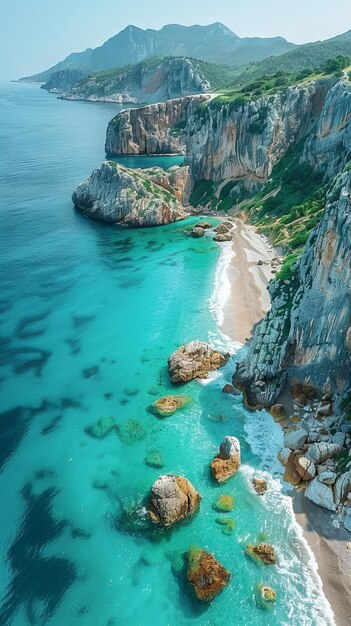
(222, 287)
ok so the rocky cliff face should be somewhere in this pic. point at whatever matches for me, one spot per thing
(306, 336)
(114, 193)
(63, 80)
(327, 149)
(245, 138)
(146, 82)
(153, 129)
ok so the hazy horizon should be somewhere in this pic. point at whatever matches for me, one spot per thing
(42, 35)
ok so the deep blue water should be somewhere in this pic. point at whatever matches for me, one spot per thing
(89, 314)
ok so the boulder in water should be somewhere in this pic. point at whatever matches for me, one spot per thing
(172, 499)
(197, 232)
(260, 486)
(167, 405)
(206, 574)
(227, 462)
(261, 553)
(194, 360)
(101, 428)
(265, 596)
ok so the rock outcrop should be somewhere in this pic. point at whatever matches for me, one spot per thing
(145, 82)
(114, 193)
(172, 498)
(154, 129)
(227, 461)
(64, 79)
(261, 553)
(194, 360)
(245, 138)
(306, 336)
(168, 405)
(206, 574)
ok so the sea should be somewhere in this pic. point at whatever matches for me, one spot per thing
(90, 313)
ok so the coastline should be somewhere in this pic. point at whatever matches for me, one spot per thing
(251, 267)
(250, 270)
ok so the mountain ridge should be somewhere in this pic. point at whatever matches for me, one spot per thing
(215, 43)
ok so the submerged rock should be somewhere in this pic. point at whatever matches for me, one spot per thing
(228, 524)
(224, 504)
(131, 431)
(154, 459)
(206, 574)
(167, 405)
(261, 553)
(114, 193)
(172, 499)
(227, 462)
(194, 360)
(101, 428)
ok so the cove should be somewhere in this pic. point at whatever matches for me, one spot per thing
(89, 315)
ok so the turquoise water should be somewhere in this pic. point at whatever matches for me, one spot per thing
(89, 315)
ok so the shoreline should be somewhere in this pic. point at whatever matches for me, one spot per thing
(251, 268)
(252, 265)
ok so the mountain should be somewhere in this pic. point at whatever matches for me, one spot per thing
(151, 80)
(215, 43)
(304, 56)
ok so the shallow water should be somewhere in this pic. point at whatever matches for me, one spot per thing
(89, 315)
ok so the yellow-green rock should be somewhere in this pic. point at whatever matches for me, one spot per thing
(228, 524)
(224, 504)
(168, 405)
(265, 596)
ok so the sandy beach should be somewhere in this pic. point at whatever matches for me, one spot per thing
(249, 274)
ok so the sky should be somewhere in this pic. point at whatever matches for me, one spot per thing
(36, 34)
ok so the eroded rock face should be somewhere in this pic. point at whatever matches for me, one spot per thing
(244, 140)
(114, 193)
(194, 360)
(307, 332)
(170, 78)
(206, 574)
(172, 498)
(227, 462)
(153, 129)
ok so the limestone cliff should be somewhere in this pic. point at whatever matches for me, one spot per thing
(154, 129)
(327, 149)
(149, 81)
(244, 138)
(306, 336)
(114, 193)
(63, 80)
